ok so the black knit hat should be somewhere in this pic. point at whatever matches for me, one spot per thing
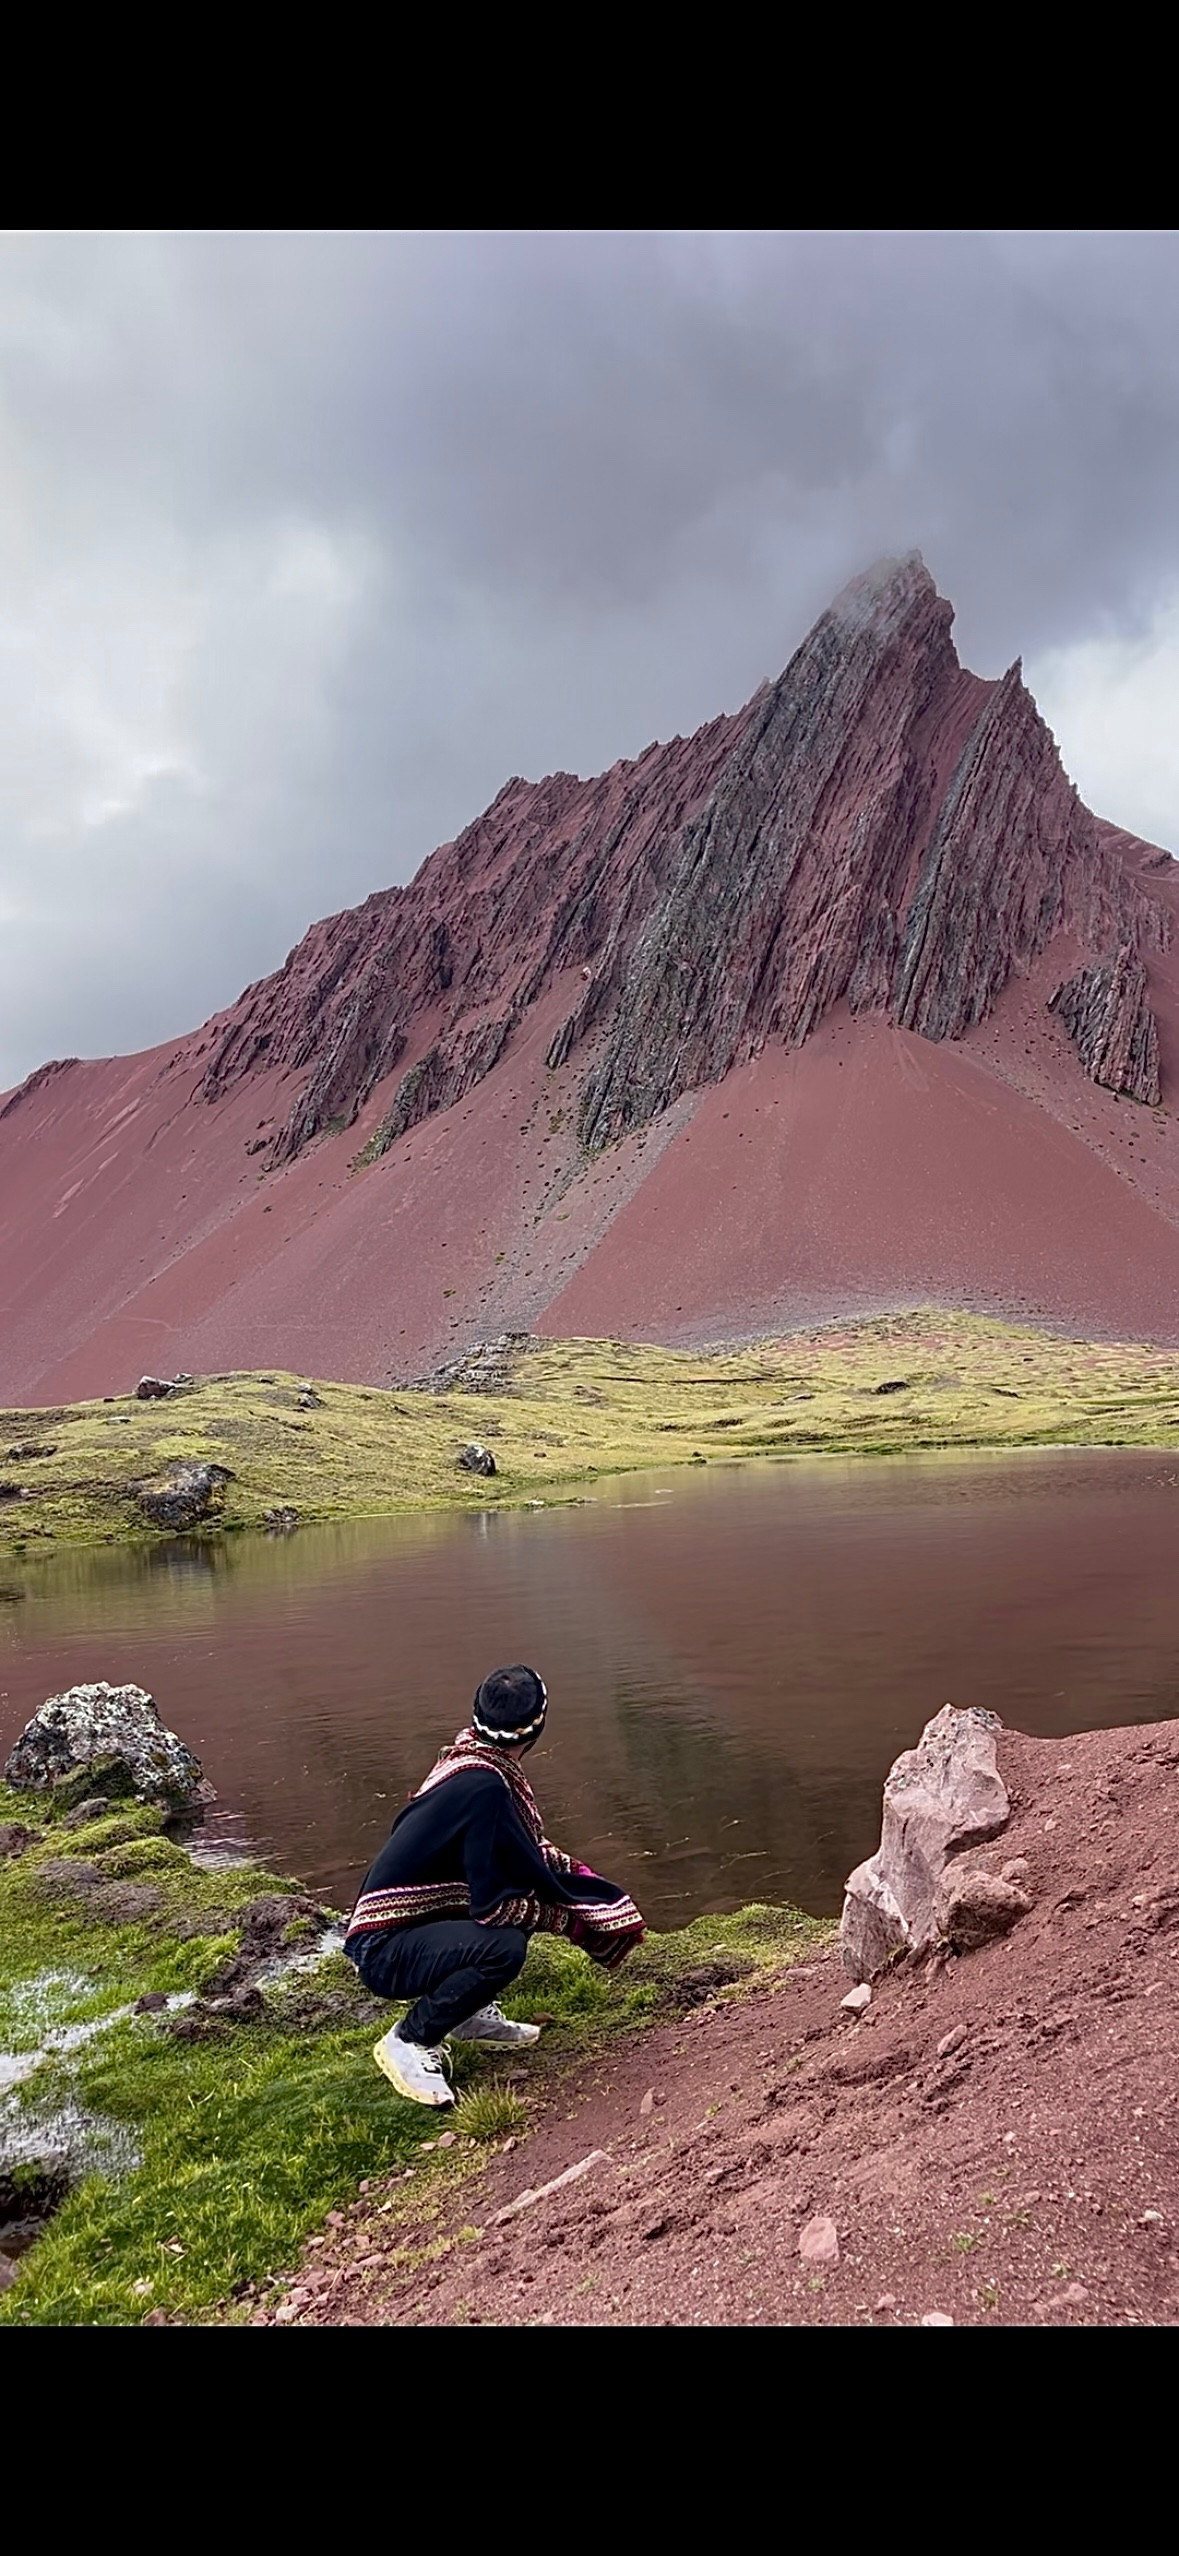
(510, 1705)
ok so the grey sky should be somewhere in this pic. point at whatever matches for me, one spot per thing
(308, 541)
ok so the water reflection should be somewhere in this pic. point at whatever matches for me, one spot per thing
(734, 1657)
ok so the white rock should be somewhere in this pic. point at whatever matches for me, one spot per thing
(819, 2241)
(935, 2317)
(572, 2174)
(857, 2000)
(944, 1794)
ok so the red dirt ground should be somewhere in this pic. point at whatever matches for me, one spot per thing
(867, 1170)
(996, 2142)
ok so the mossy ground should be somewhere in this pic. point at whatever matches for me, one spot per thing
(577, 1409)
(246, 2141)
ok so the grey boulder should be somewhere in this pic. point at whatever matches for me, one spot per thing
(186, 1497)
(476, 1459)
(115, 1727)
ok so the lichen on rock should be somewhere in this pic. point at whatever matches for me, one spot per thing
(114, 1731)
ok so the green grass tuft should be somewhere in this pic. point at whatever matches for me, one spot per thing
(493, 2111)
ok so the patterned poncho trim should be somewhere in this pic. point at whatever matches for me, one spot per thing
(605, 1929)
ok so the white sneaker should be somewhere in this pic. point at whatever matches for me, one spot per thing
(491, 2025)
(415, 2071)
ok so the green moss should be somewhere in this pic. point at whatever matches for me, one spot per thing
(120, 1828)
(123, 1857)
(109, 1776)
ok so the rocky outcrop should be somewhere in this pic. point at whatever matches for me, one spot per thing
(1106, 1010)
(115, 1729)
(879, 827)
(490, 1367)
(940, 1797)
(186, 1497)
(889, 831)
(535, 887)
(36, 1082)
(447, 1070)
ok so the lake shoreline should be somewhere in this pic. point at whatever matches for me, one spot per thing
(553, 1418)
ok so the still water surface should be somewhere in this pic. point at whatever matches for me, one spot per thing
(733, 1658)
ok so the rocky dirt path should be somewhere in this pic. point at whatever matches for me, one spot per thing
(994, 2142)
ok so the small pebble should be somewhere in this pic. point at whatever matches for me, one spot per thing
(819, 2241)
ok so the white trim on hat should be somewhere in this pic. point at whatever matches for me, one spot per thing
(522, 1730)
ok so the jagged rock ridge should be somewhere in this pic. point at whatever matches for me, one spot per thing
(890, 831)
(878, 826)
(1107, 1011)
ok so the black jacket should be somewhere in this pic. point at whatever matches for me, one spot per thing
(469, 1830)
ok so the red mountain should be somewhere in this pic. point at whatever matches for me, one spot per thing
(846, 1002)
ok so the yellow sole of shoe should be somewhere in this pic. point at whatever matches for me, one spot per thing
(387, 2068)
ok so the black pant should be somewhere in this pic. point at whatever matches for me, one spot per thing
(451, 1967)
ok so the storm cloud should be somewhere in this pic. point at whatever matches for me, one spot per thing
(308, 541)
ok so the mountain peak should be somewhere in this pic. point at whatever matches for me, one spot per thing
(877, 825)
(811, 901)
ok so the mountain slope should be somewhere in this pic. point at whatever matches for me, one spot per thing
(845, 1002)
